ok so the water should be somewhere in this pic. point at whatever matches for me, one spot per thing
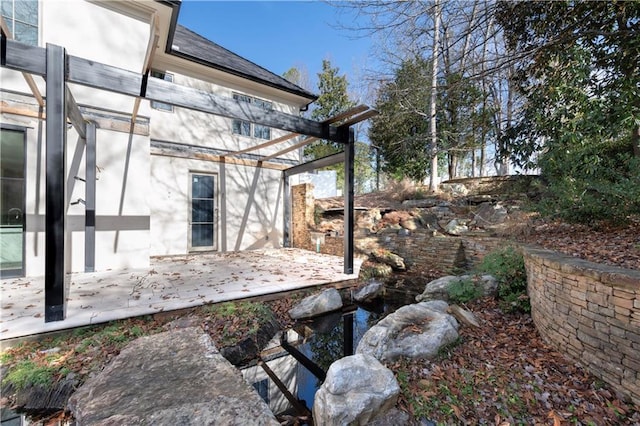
(322, 341)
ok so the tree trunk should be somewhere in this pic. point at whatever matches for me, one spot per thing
(483, 150)
(433, 179)
(635, 140)
(473, 160)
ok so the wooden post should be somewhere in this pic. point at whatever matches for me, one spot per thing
(55, 198)
(90, 200)
(349, 159)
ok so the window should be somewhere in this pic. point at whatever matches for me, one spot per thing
(262, 387)
(244, 128)
(159, 105)
(12, 200)
(202, 220)
(21, 17)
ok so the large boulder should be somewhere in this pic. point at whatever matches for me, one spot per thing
(456, 227)
(414, 331)
(175, 377)
(439, 289)
(490, 214)
(326, 301)
(357, 389)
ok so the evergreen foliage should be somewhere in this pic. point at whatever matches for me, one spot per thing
(583, 104)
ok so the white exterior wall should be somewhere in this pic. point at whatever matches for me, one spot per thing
(122, 210)
(90, 31)
(142, 200)
(249, 205)
(250, 200)
(201, 129)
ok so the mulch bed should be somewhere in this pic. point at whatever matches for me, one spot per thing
(504, 374)
(609, 245)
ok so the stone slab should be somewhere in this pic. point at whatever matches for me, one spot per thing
(175, 377)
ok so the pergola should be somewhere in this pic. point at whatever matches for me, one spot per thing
(58, 69)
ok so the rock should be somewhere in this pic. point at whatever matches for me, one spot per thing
(368, 219)
(488, 282)
(464, 316)
(40, 398)
(414, 331)
(326, 301)
(439, 289)
(421, 204)
(175, 377)
(357, 389)
(373, 289)
(390, 418)
(455, 189)
(442, 212)
(455, 227)
(377, 270)
(478, 199)
(429, 220)
(490, 214)
(391, 259)
(409, 224)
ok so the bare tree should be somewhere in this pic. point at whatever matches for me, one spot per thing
(433, 177)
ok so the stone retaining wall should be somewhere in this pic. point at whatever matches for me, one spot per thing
(590, 313)
(419, 247)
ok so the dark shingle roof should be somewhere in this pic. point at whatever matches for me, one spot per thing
(196, 48)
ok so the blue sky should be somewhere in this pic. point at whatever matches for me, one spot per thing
(280, 34)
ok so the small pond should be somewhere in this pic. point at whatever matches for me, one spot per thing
(312, 346)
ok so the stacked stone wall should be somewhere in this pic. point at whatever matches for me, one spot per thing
(419, 247)
(590, 313)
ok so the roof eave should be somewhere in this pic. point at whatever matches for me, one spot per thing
(175, 4)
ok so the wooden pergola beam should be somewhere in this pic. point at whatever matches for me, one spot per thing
(334, 119)
(74, 114)
(82, 71)
(300, 144)
(318, 163)
(275, 141)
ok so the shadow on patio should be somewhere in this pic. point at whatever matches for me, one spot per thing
(171, 283)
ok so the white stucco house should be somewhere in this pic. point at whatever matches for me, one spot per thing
(125, 135)
(160, 187)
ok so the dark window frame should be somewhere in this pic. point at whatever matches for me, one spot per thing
(246, 128)
(11, 20)
(214, 223)
(12, 273)
(162, 75)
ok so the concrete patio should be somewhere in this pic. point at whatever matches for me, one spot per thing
(170, 283)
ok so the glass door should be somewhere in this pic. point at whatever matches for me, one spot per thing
(12, 202)
(203, 212)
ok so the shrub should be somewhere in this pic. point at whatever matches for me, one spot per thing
(464, 291)
(506, 264)
(592, 183)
